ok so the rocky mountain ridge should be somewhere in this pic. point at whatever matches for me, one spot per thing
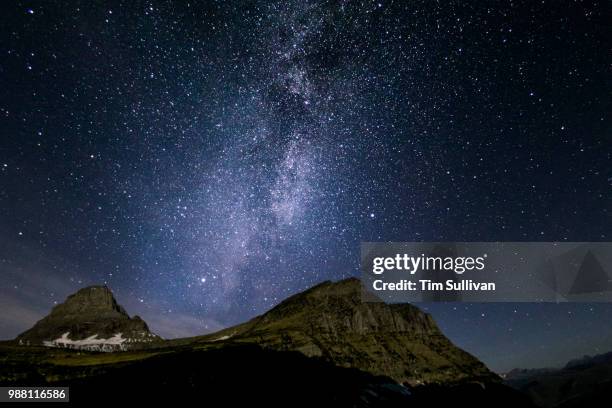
(330, 321)
(90, 319)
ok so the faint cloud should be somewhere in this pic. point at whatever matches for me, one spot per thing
(175, 325)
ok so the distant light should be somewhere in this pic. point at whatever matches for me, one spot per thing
(203, 280)
(30, 11)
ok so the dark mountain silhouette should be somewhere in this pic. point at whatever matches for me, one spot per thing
(89, 319)
(584, 382)
(232, 375)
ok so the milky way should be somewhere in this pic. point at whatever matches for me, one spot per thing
(208, 160)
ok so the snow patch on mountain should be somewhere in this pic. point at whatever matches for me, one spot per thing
(92, 343)
(224, 337)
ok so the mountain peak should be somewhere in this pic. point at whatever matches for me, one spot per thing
(92, 319)
(337, 308)
(331, 321)
(91, 300)
(346, 285)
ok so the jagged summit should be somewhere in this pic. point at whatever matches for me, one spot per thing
(331, 321)
(91, 300)
(90, 319)
(336, 308)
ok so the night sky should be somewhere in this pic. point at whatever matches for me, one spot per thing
(206, 160)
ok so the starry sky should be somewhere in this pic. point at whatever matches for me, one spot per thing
(208, 159)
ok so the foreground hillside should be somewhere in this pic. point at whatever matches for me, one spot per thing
(321, 345)
(234, 374)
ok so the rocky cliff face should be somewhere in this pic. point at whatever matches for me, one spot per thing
(89, 319)
(331, 321)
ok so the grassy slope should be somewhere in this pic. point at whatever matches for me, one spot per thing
(242, 375)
